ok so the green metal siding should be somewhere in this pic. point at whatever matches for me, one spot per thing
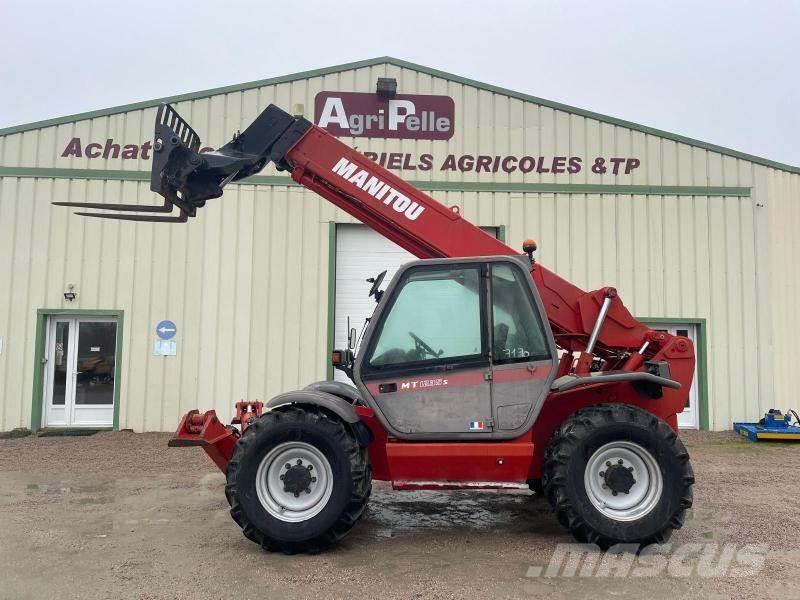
(698, 232)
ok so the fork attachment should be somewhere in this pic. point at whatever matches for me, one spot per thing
(186, 178)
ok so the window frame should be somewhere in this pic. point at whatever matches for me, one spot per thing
(520, 282)
(482, 359)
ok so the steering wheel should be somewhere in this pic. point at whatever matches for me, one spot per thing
(421, 345)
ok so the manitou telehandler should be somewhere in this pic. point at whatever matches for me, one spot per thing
(478, 369)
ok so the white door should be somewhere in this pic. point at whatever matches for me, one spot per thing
(79, 372)
(688, 419)
(362, 253)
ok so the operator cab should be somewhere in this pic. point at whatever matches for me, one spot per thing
(456, 348)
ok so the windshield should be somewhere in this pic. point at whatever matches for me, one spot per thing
(436, 315)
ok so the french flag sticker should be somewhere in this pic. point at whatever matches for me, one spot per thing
(476, 426)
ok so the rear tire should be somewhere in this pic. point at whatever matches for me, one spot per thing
(298, 480)
(615, 473)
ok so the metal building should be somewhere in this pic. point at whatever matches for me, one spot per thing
(698, 239)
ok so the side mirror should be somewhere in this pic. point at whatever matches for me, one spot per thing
(343, 360)
(352, 338)
(376, 283)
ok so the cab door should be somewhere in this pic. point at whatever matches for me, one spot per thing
(522, 348)
(426, 365)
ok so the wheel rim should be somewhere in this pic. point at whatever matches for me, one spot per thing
(294, 482)
(623, 481)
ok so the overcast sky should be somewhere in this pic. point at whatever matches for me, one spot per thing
(723, 71)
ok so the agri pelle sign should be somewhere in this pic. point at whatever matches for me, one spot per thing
(407, 116)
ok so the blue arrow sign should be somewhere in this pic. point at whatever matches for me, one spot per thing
(166, 330)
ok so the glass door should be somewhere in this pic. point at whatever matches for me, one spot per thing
(58, 370)
(688, 419)
(80, 370)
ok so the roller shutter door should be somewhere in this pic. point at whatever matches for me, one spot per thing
(362, 253)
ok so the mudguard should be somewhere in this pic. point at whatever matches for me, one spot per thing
(337, 405)
(337, 388)
(340, 405)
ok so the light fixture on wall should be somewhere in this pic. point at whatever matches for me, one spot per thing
(70, 294)
(386, 87)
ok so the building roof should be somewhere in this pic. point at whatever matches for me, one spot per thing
(414, 67)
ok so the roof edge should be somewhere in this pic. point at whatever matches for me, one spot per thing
(597, 116)
(227, 89)
(414, 67)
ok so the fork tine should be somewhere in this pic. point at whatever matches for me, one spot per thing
(179, 219)
(166, 208)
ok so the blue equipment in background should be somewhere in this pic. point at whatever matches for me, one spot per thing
(774, 426)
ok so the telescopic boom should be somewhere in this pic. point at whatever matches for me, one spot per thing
(596, 323)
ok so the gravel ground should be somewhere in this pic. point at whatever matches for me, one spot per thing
(118, 515)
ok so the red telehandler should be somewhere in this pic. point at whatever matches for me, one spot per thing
(479, 368)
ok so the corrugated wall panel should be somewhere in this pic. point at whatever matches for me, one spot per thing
(783, 204)
(669, 256)
(241, 278)
(486, 123)
(247, 281)
(8, 242)
(249, 275)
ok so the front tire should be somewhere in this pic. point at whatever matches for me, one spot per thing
(298, 480)
(615, 473)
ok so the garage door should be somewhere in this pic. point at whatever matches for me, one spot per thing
(363, 253)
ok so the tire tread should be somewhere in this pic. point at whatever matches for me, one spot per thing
(359, 467)
(567, 439)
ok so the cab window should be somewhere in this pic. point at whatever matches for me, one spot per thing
(435, 317)
(518, 333)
